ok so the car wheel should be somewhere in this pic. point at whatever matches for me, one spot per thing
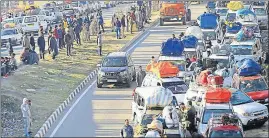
(98, 84)
(260, 124)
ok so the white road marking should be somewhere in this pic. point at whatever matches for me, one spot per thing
(71, 109)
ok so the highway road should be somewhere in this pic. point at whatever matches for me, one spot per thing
(107, 15)
(101, 112)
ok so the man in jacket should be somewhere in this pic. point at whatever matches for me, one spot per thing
(41, 44)
(72, 33)
(32, 42)
(191, 117)
(54, 46)
(123, 25)
(26, 41)
(118, 26)
(77, 32)
(26, 114)
(140, 75)
(101, 22)
(68, 42)
(127, 130)
(55, 33)
(60, 36)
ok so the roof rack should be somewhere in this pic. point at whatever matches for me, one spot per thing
(224, 120)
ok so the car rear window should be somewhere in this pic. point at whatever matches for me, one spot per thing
(30, 19)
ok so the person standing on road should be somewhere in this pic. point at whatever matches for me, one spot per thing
(140, 75)
(77, 32)
(123, 25)
(68, 41)
(53, 46)
(26, 114)
(50, 35)
(41, 44)
(26, 42)
(118, 26)
(101, 22)
(60, 36)
(127, 130)
(113, 20)
(55, 33)
(72, 33)
(132, 21)
(32, 42)
(99, 42)
(191, 117)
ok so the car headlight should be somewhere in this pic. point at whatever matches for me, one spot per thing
(123, 73)
(101, 73)
(246, 114)
(180, 12)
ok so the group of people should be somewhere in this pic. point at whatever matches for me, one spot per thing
(8, 64)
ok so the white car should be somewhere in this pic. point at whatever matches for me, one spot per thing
(50, 17)
(248, 111)
(176, 85)
(32, 23)
(11, 33)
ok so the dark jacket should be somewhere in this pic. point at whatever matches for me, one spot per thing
(68, 39)
(118, 24)
(41, 43)
(77, 29)
(101, 20)
(32, 41)
(60, 33)
(53, 44)
(123, 22)
(140, 75)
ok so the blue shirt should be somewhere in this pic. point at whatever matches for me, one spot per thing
(101, 20)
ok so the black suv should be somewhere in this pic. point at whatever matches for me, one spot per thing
(116, 68)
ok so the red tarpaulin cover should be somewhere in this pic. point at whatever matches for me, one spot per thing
(163, 69)
(215, 80)
(218, 95)
(202, 77)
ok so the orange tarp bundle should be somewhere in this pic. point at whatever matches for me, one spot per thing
(163, 69)
(202, 77)
(218, 95)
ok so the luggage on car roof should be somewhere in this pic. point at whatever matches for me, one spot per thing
(163, 69)
(217, 95)
(235, 5)
(190, 41)
(208, 21)
(172, 47)
(248, 67)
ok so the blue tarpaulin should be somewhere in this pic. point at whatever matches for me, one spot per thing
(190, 41)
(248, 67)
(208, 21)
(245, 12)
(172, 47)
(234, 29)
(211, 5)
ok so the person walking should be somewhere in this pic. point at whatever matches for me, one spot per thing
(53, 46)
(55, 33)
(77, 32)
(113, 20)
(123, 25)
(127, 21)
(132, 21)
(41, 44)
(118, 26)
(99, 42)
(72, 33)
(50, 35)
(9, 47)
(127, 130)
(101, 22)
(60, 36)
(26, 114)
(140, 75)
(25, 42)
(191, 117)
(68, 41)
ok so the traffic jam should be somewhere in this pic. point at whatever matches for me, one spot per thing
(209, 82)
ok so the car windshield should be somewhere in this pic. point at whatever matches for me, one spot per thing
(30, 19)
(226, 134)
(210, 34)
(253, 85)
(222, 12)
(177, 87)
(259, 11)
(216, 112)
(7, 32)
(239, 98)
(19, 20)
(231, 17)
(147, 119)
(240, 50)
(114, 62)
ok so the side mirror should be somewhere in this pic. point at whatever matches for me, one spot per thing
(98, 65)
(140, 107)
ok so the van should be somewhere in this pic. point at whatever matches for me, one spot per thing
(32, 23)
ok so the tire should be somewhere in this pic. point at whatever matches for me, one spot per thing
(161, 22)
(98, 85)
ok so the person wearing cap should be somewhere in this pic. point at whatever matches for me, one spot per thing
(127, 130)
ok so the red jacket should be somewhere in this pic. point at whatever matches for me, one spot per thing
(193, 59)
(55, 32)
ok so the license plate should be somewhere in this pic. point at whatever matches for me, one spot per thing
(30, 24)
(180, 16)
(111, 80)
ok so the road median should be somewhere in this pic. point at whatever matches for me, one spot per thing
(48, 84)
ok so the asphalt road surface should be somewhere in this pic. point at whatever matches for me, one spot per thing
(107, 15)
(101, 112)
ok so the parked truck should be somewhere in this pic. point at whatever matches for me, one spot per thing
(175, 10)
